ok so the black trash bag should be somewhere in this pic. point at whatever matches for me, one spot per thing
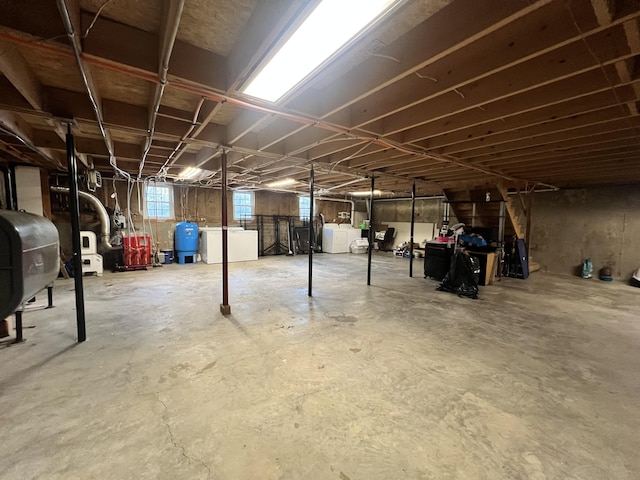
(462, 277)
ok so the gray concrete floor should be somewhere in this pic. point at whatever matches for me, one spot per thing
(537, 379)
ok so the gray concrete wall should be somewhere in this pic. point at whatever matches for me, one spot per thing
(602, 224)
(428, 210)
(197, 204)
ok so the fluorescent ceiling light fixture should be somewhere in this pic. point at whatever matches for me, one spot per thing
(189, 173)
(365, 193)
(328, 28)
(194, 174)
(281, 183)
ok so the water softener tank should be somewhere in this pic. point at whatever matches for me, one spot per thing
(186, 242)
(29, 257)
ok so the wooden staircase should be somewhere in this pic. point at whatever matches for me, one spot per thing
(481, 208)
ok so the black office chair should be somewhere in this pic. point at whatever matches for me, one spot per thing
(386, 245)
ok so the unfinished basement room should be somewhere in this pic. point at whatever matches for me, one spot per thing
(320, 239)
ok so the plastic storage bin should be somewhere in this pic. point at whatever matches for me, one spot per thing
(168, 256)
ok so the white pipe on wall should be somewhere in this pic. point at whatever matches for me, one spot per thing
(328, 199)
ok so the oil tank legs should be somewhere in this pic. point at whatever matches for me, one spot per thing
(50, 296)
(19, 338)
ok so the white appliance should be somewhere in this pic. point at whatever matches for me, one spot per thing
(242, 244)
(89, 242)
(92, 263)
(29, 189)
(337, 238)
(91, 260)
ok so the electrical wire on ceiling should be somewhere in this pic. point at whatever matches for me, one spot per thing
(351, 156)
(203, 92)
(176, 154)
(603, 70)
(419, 75)
(75, 44)
(167, 48)
(95, 18)
(28, 144)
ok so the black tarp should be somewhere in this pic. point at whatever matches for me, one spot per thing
(462, 277)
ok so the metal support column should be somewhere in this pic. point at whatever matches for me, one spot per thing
(12, 199)
(473, 216)
(311, 180)
(75, 235)
(501, 238)
(501, 222)
(225, 308)
(413, 215)
(527, 235)
(371, 235)
(19, 337)
(50, 296)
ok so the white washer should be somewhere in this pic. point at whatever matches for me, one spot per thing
(337, 238)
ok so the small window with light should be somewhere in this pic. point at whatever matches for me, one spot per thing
(242, 205)
(304, 206)
(158, 201)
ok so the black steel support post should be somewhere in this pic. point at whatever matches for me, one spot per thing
(225, 308)
(19, 337)
(12, 199)
(75, 235)
(413, 215)
(527, 234)
(311, 180)
(371, 233)
(50, 296)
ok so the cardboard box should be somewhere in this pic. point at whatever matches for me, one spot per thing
(6, 327)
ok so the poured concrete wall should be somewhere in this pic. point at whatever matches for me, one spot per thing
(198, 204)
(568, 226)
(602, 224)
(428, 210)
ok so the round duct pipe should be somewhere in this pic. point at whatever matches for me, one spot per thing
(105, 221)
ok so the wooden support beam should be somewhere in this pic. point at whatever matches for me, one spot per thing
(15, 124)
(487, 119)
(552, 132)
(453, 28)
(559, 145)
(14, 67)
(554, 51)
(511, 211)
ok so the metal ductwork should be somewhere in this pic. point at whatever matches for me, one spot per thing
(105, 221)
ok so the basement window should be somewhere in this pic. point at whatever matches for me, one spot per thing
(242, 205)
(330, 27)
(158, 201)
(304, 206)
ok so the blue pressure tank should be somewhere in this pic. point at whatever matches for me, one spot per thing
(186, 242)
